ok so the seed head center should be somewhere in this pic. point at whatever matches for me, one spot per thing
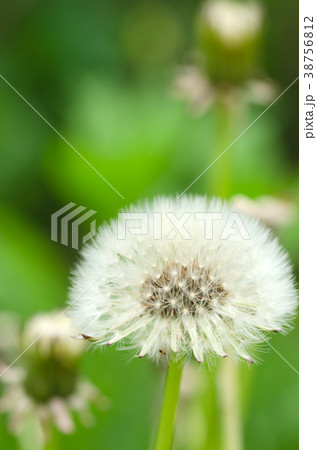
(182, 290)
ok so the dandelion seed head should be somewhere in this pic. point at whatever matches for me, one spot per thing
(175, 296)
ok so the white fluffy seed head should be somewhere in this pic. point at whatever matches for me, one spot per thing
(177, 295)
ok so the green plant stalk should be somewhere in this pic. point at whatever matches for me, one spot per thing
(210, 409)
(221, 172)
(230, 405)
(223, 411)
(164, 438)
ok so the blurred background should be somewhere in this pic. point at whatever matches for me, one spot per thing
(150, 93)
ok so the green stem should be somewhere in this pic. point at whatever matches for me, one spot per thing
(224, 431)
(229, 120)
(211, 415)
(230, 404)
(164, 438)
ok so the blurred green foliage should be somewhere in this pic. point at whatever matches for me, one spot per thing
(101, 73)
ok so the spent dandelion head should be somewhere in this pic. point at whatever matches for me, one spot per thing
(226, 64)
(49, 389)
(176, 278)
(228, 37)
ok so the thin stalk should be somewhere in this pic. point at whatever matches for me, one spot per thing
(211, 413)
(164, 438)
(229, 121)
(221, 173)
(230, 405)
(224, 429)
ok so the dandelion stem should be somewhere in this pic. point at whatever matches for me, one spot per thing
(229, 112)
(210, 411)
(221, 179)
(229, 396)
(164, 438)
